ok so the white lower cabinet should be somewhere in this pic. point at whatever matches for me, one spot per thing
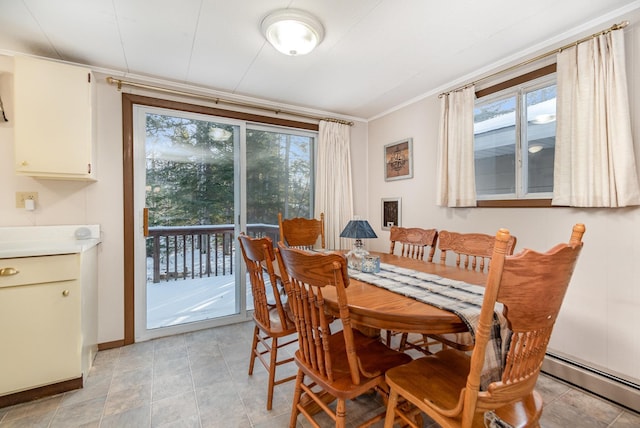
(41, 321)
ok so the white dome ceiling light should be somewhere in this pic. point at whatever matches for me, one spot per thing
(219, 134)
(292, 31)
(535, 148)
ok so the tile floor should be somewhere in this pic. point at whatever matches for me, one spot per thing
(200, 380)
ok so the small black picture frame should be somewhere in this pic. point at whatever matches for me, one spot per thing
(391, 212)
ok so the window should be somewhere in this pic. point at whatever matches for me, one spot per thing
(514, 140)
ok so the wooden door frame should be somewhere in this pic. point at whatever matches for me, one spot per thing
(128, 102)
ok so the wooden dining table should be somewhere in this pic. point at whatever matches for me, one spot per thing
(376, 308)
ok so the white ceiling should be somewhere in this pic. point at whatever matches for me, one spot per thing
(376, 55)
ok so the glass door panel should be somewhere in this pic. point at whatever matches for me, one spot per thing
(279, 177)
(186, 180)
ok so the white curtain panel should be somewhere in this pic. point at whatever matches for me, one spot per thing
(456, 170)
(334, 194)
(594, 156)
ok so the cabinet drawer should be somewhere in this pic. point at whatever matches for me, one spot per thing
(39, 270)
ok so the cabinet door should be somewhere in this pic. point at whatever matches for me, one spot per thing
(40, 335)
(53, 119)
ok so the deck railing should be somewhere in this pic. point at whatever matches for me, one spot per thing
(196, 251)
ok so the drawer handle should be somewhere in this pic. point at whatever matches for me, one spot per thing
(65, 293)
(8, 271)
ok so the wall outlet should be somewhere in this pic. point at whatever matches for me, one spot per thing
(22, 196)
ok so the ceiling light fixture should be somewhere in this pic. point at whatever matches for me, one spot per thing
(535, 148)
(292, 31)
(219, 134)
(541, 119)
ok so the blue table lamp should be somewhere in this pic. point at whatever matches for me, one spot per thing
(358, 230)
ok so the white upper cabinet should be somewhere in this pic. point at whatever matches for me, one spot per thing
(53, 126)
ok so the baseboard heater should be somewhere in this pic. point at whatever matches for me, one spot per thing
(598, 382)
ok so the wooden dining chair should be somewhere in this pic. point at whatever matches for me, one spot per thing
(472, 251)
(414, 243)
(271, 320)
(341, 365)
(300, 232)
(446, 385)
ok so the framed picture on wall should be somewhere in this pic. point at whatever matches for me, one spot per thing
(398, 160)
(391, 213)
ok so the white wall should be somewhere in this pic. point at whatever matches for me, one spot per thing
(599, 320)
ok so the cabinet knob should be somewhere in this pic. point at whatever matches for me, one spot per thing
(24, 163)
(8, 271)
(65, 293)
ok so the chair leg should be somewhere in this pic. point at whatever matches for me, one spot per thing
(389, 334)
(272, 371)
(401, 411)
(403, 342)
(297, 393)
(425, 344)
(341, 413)
(391, 408)
(254, 349)
(420, 346)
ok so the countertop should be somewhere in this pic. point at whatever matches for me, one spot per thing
(33, 241)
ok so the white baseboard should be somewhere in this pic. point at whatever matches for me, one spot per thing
(612, 388)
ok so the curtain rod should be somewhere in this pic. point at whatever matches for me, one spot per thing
(120, 83)
(539, 57)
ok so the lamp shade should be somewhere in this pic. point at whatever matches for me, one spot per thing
(358, 229)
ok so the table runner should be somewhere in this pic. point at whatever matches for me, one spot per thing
(459, 297)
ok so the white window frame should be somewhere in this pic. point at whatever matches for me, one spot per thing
(521, 161)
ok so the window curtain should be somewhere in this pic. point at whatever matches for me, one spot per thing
(594, 157)
(456, 169)
(333, 184)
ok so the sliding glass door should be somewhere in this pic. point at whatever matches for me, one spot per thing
(198, 181)
(187, 195)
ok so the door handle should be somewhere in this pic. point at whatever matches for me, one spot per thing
(145, 221)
